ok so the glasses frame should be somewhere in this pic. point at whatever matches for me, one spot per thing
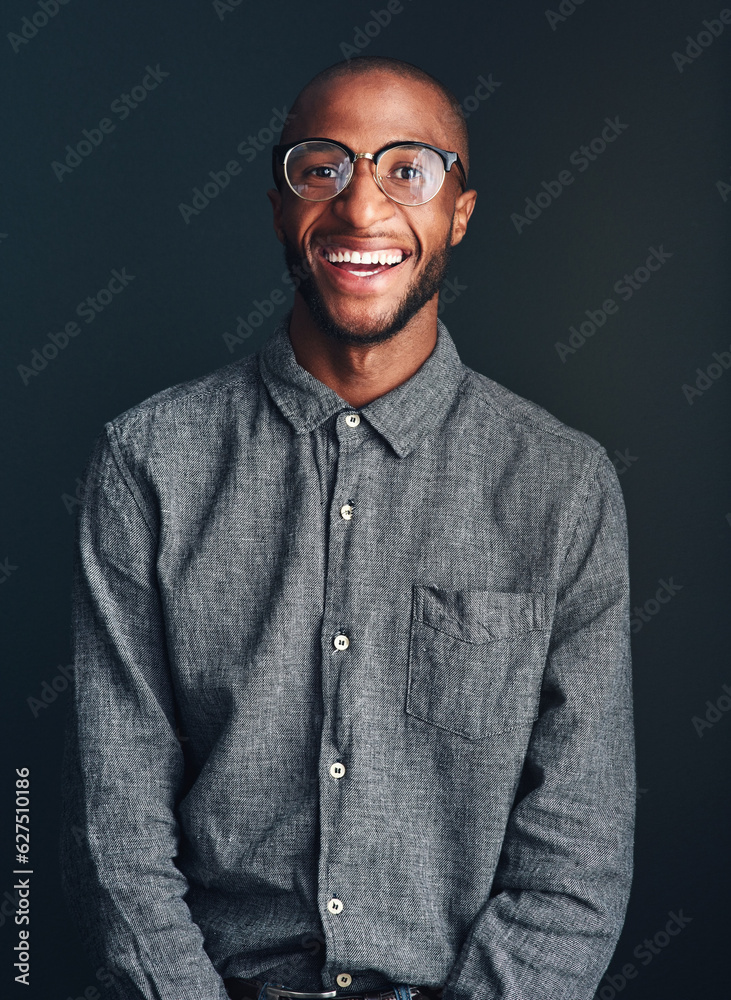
(280, 155)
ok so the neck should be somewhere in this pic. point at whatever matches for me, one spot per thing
(361, 373)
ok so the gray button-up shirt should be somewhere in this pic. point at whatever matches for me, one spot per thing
(351, 695)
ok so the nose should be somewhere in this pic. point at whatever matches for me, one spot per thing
(362, 204)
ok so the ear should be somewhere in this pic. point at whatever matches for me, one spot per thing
(463, 209)
(275, 198)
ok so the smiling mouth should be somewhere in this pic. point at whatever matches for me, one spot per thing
(364, 264)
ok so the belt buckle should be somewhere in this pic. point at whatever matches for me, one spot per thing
(274, 992)
(277, 992)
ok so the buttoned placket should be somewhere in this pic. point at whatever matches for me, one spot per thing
(349, 447)
(340, 639)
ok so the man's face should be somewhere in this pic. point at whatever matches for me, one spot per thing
(359, 302)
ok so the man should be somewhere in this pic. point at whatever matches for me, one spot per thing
(352, 704)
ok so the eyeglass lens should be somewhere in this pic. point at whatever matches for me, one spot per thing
(410, 174)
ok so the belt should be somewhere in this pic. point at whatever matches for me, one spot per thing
(251, 989)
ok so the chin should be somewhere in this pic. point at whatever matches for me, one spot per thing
(355, 329)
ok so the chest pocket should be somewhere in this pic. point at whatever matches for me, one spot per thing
(475, 659)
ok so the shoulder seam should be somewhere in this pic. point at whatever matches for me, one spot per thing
(591, 476)
(129, 480)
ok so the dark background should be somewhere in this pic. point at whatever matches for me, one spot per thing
(656, 186)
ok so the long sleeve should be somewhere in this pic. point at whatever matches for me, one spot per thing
(123, 764)
(560, 891)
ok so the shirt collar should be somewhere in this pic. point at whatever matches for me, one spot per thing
(403, 415)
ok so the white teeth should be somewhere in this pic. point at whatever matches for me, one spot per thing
(368, 257)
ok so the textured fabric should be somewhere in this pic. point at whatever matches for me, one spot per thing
(480, 837)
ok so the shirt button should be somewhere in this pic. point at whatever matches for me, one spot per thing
(352, 419)
(334, 905)
(337, 770)
(346, 511)
(341, 641)
(344, 979)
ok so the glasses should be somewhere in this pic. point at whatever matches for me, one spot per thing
(410, 173)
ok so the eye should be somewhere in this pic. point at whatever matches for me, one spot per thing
(322, 171)
(406, 173)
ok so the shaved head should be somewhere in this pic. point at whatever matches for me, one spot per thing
(373, 264)
(451, 113)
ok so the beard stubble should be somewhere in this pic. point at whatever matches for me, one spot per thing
(415, 298)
